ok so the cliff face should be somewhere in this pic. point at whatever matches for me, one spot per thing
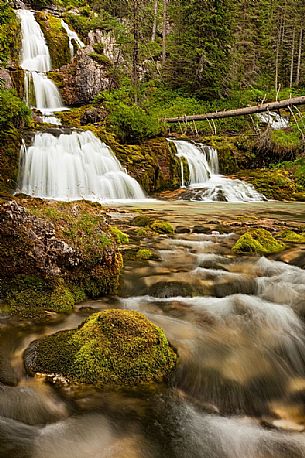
(83, 78)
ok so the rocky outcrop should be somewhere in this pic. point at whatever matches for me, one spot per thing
(82, 79)
(50, 265)
(6, 79)
(114, 347)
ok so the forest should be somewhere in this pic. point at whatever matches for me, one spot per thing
(152, 229)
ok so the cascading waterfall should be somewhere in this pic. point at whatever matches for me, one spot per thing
(72, 37)
(72, 167)
(204, 178)
(273, 119)
(40, 91)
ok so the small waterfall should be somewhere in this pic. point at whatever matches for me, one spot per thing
(72, 37)
(40, 91)
(205, 182)
(273, 119)
(72, 167)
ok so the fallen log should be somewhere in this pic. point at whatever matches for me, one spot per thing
(270, 106)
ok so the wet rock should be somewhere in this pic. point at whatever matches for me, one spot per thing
(92, 116)
(114, 347)
(182, 230)
(201, 230)
(165, 289)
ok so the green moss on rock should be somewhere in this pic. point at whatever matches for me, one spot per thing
(258, 241)
(114, 347)
(145, 254)
(56, 38)
(120, 236)
(162, 227)
(291, 236)
(30, 291)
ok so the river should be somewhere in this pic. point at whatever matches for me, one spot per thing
(237, 323)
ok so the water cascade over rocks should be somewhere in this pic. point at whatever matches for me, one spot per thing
(40, 91)
(72, 167)
(205, 183)
(73, 38)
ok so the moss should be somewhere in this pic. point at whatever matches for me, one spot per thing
(162, 227)
(275, 184)
(291, 236)
(258, 241)
(114, 347)
(32, 292)
(9, 159)
(10, 34)
(56, 38)
(145, 254)
(287, 139)
(120, 236)
(101, 59)
(141, 220)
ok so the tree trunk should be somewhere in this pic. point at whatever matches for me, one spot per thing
(164, 33)
(240, 111)
(297, 80)
(154, 29)
(292, 59)
(135, 56)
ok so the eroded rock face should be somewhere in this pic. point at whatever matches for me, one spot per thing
(6, 78)
(114, 347)
(28, 245)
(41, 270)
(83, 78)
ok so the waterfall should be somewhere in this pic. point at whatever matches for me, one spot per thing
(205, 183)
(72, 167)
(72, 37)
(40, 91)
(273, 119)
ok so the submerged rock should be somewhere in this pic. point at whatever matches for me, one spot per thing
(165, 289)
(114, 347)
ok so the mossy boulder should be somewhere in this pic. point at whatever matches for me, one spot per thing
(111, 348)
(290, 236)
(258, 241)
(54, 255)
(145, 254)
(56, 38)
(162, 227)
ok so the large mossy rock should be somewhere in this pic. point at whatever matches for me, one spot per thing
(114, 347)
(258, 241)
(53, 255)
(56, 38)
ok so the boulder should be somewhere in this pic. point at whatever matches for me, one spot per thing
(110, 348)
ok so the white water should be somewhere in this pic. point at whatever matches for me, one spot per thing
(40, 91)
(72, 37)
(204, 176)
(274, 120)
(72, 167)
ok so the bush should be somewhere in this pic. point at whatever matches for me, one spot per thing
(131, 123)
(9, 32)
(13, 111)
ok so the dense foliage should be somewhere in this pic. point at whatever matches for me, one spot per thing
(9, 31)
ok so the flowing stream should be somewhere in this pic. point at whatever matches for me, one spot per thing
(238, 392)
(205, 183)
